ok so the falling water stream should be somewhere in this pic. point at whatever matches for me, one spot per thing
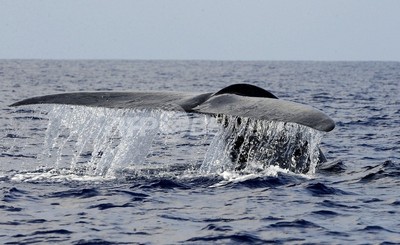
(86, 142)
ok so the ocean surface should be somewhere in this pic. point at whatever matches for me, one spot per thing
(78, 175)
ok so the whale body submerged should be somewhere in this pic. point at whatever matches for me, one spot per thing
(239, 100)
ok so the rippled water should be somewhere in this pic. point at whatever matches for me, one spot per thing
(100, 176)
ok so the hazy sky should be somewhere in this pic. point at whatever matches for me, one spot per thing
(201, 29)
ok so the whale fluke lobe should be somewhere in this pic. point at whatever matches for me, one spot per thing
(267, 109)
(242, 100)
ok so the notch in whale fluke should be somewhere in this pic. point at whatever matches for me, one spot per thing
(243, 100)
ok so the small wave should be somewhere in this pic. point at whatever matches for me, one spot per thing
(60, 231)
(75, 193)
(104, 206)
(375, 229)
(387, 169)
(298, 223)
(10, 208)
(336, 204)
(44, 236)
(213, 227)
(15, 136)
(166, 184)
(13, 194)
(17, 155)
(325, 213)
(319, 189)
(97, 242)
(245, 238)
(334, 167)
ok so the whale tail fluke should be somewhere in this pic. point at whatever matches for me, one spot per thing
(242, 100)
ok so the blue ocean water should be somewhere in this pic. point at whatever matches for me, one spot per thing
(77, 175)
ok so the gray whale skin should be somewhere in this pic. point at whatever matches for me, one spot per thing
(242, 100)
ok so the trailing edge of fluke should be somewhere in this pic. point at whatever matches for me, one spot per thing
(243, 100)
